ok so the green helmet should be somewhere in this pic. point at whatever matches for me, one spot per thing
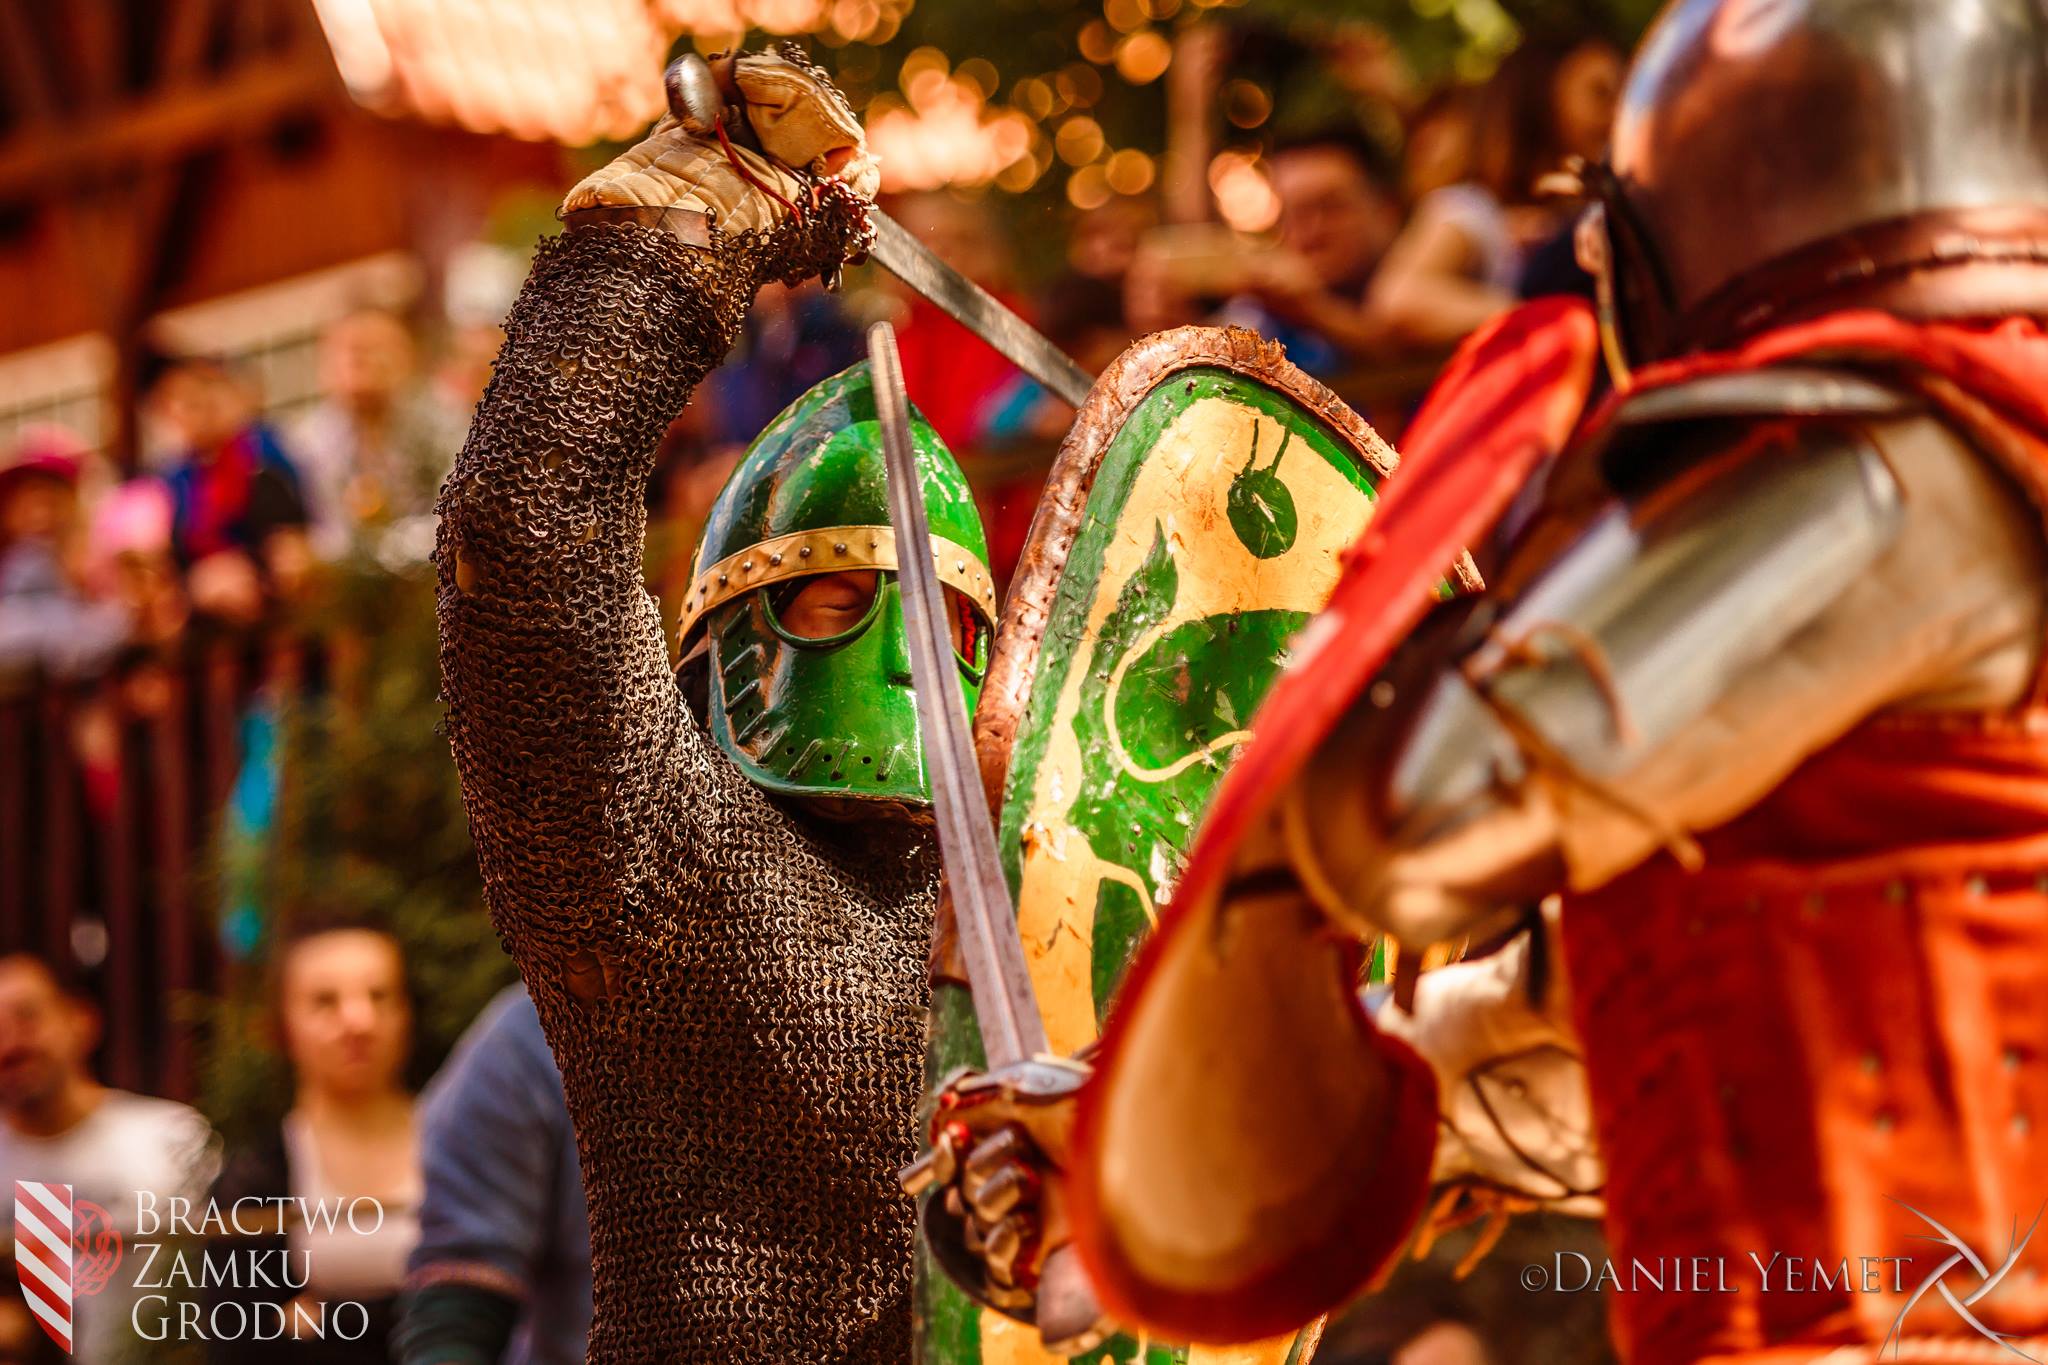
(832, 717)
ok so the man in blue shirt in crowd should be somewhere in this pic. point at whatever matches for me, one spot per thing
(502, 1270)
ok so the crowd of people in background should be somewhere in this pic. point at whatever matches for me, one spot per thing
(1376, 267)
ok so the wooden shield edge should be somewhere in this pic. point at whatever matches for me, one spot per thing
(1129, 379)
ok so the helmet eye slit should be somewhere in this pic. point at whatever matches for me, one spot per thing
(821, 610)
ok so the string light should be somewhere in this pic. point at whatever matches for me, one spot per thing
(1088, 188)
(1079, 140)
(1129, 171)
(1246, 103)
(1244, 197)
(1143, 57)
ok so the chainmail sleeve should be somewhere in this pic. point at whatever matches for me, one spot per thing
(561, 707)
(734, 988)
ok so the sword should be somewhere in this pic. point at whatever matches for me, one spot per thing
(974, 308)
(699, 103)
(1005, 1005)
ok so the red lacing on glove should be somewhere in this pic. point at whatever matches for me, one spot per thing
(732, 155)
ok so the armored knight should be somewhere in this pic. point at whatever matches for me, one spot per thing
(1756, 686)
(722, 906)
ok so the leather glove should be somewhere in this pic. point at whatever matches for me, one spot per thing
(992, 1197)
(1516, 1120)
(813, 164)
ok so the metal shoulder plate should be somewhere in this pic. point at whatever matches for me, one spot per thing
(1780, 391)
(1615, 627)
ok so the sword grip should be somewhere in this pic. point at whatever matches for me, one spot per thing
(1069, 1319)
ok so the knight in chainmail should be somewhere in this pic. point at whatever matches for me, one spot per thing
(723, 912)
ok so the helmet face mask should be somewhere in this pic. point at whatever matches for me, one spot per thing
(830, 718)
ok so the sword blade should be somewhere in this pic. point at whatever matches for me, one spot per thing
(974, 308)
(1004, 1003)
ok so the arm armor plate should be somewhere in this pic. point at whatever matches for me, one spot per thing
(1611, 639)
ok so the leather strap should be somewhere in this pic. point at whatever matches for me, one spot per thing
(1960, 263)
(691, 227)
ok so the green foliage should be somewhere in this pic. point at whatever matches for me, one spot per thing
(368, 825)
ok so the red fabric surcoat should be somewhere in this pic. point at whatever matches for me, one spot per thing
(1835, 1034)
(1836, 1030)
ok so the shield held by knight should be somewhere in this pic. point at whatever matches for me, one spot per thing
(1193, 521)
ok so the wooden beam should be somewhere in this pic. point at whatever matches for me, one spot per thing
(42, 164)
(94, 68)
(182, 46)
(28, 63)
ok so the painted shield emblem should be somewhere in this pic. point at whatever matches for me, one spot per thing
(1193, 521)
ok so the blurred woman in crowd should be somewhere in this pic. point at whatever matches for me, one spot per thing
(1461, 259)
(348, 1143)
(48, 620)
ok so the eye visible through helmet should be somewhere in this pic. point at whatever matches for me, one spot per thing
(826, 607)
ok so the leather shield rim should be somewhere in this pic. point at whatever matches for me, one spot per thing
(1127, 382)
(1447, 499)
(1314, 1282)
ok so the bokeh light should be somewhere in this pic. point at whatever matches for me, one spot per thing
(1143, 57)
(942, 131)
(1088, 188)
(1244, 196)
(1079, 140)
(1130, 171)
(1034, 96)
(1246, 103)
(1079, 84)
(1097, 42)
(1125, 16)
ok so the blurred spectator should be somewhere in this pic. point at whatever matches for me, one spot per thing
(238, 512)
(47, 619)
(346, 1022)
(792, 339)
(129, 558)
(955, 378)
(468, 354)
(1460, 260)
(502, 1271)
(1338, 214)
(373, 451)
(1103, 241)
(120, 1151)
(1438, 151)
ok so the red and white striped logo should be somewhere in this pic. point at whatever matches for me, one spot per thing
(43, 1229)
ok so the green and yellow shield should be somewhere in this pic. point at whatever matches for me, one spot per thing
(1193, 521)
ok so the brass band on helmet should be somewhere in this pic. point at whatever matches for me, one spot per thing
(832, 549)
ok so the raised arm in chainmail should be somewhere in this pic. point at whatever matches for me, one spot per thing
(734, 991)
